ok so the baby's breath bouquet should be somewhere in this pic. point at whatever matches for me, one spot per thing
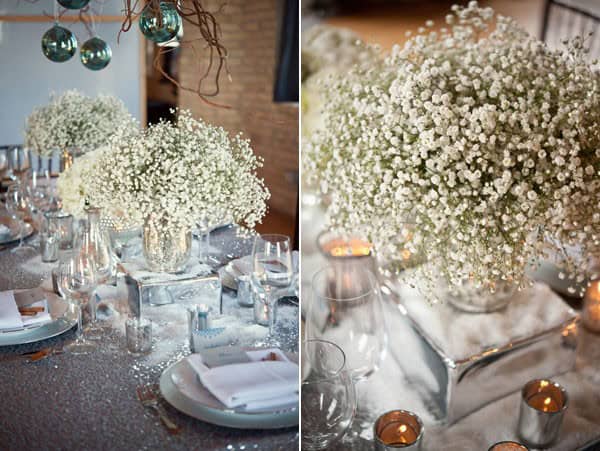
(73, 120)
(482, 136)
(178, 174)
(74, 184)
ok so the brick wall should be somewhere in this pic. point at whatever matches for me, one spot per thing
(250, 33)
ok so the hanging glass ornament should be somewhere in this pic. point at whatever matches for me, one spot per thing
(158, 30)
(95, 53)
(59, 44)
(73, 4)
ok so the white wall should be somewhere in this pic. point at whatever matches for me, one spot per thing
(27, 77)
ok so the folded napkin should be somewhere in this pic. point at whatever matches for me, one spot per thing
(253, 385)
(11, 319)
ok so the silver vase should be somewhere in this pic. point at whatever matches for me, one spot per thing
(165, 249)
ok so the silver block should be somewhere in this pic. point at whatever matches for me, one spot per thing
(197, 285)
(463, 361)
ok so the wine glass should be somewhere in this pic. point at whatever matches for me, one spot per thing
(272, 268)
(19, 207)
(347, 310)
(19, 162)
(76, 282)
(328, 395)
(3, 163)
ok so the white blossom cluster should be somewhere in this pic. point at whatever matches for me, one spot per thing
(74, 185)
(326, 52)
(484, 138)
(178, 174)
(73, 120)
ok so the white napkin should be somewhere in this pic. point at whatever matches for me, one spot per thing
(254, 385)
(11, 319)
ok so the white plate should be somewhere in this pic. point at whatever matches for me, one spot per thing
(179, 385)
(13, 225)
(63, 319)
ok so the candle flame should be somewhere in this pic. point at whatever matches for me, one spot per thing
(402, 428)
(547, 401)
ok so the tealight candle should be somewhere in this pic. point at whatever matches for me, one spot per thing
(398, 429)
(344, 248)
(508, 446)
(543, 405)
(591, 307)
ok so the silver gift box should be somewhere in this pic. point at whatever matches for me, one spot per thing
(196, 285)
(462, 361)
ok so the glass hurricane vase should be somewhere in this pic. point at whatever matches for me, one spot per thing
(166, 249)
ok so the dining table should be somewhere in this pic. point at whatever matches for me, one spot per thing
(392, 387)
(66, 401)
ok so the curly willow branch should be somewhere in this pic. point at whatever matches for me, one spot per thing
(194, 13)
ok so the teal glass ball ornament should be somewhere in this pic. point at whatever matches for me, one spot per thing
(73, 4)
(59, 44)
(95, 53)
(153, 29)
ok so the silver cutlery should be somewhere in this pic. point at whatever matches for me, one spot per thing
(148, 397)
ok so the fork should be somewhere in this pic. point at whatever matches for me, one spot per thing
(148, 398)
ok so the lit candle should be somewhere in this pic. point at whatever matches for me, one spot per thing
(351, 247)
(398, 429)
(543, 405)
(591, 307)
(543, 402)
(508, 446)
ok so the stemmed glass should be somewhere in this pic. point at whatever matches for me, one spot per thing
(18, 205)
(272, 268)
(19, 162)
(3, 163)
(328, 395)
(347, 310)
(76, 281)
(89, 243)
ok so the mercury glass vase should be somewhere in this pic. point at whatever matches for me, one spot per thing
(166, 249)
(472, 298)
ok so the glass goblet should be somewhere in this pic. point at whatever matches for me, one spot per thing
(346, 309)
(76, 282)
(19, 207)
(328, 395)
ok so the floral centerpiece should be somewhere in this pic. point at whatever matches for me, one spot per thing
(171, 176)
(75, 121)
(486, 139)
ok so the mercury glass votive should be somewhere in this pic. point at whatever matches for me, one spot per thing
(590, 314)
(398, 429)
(49, 243)
(62, 222)
(543, 405)
(138, 332)
(508, 446)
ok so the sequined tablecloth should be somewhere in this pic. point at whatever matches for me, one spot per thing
(70, 402)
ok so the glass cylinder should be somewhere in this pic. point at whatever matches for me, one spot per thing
(166, 249)
(591, 307)
(138, 332)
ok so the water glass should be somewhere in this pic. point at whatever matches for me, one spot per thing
(347, 310)
(138, 332)
(272, 268)
(328, 395)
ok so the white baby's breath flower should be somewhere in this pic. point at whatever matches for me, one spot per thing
(488, 142)
(73, 120)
